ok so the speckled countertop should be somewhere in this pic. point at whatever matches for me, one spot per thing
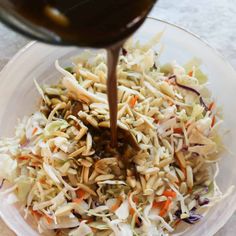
(212, 20)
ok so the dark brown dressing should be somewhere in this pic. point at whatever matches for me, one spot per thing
(125, 150)
(112, 60)
(92, 23)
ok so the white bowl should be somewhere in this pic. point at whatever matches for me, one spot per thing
(36, 61)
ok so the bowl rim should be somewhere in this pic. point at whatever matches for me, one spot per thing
(205, 42)
(33, 43)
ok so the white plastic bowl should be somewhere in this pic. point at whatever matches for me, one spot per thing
(36, 61)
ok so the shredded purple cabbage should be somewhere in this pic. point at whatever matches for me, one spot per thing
(189, 89)
(192, 219)
(203, 201)
(203, 191)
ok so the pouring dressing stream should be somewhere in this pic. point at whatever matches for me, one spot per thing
(89, 23)
(112, 60)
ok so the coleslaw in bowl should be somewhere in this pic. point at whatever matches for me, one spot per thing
(171, 123)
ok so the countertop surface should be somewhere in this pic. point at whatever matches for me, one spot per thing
(212, 20)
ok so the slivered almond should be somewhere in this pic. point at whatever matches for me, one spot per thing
(131, 181)
(151, 181)
(183, 188)
(77, 152)
(85, 163)
(189, 176)
(181, 159)
(148, 191)
(160, 190)
(86, 189)
(157, 183)
(104, 177)
(172, 177)
(86, 174)
(165, 162)
(64, 210)
(143, 182)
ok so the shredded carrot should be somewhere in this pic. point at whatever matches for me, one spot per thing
(178, 130)
(48, 219)
(135, 199)
(190, 73)
(34, 130)
(131, 211)
(80, 196)
(23, 158)
(211, 106)
(177, 222)
(165, 207)
(37, 214)
(35, 164)
(77, 200)
(55, 149)
(156, 120)
(80, 193)
(169, 193)
(213, 121)
(162, 212)
(133, 101)
(116, 205)
(167, 204)
(156, 204)
(42, 181)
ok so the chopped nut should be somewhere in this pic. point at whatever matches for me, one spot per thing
(189, 176)
(104, 177)
(131, 181)
(85, 163)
